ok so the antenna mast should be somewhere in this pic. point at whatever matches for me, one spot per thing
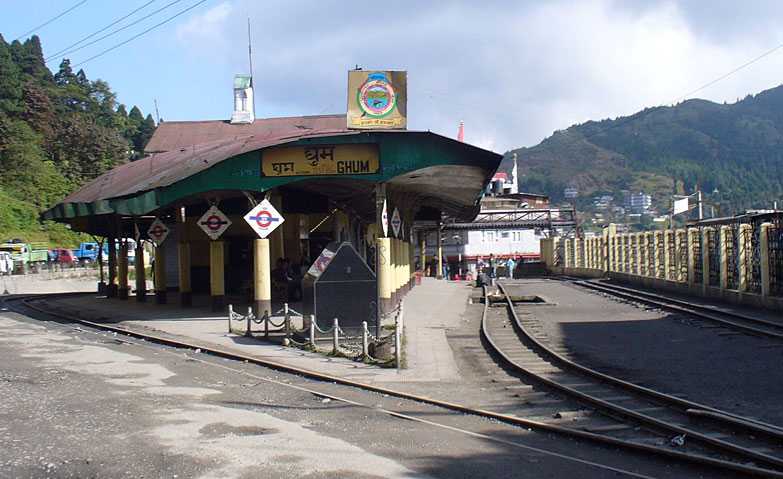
(250, 61)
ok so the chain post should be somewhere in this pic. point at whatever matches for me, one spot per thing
(287, 322)
(365, 352)
(397, 345)
(230, 316)
(336, 335)
(266, 324)
(312, 331)
(249, 319)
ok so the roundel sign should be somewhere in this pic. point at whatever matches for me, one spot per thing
(214, 222)
(264, 218)
(158, 231)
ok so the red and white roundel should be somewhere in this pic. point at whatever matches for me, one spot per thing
(264, 218)
(158, 231)
(214, 222)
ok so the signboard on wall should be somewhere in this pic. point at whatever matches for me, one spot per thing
(355, 159)
(377, 99)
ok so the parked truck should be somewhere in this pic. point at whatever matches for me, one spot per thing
(26, 256)
(87, 253)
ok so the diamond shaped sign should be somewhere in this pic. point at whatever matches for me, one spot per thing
(264, 218)
(396, 222)
(214, 222)
(158, 232)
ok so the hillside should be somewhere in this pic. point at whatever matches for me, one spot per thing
(734, 152)
(57, 131)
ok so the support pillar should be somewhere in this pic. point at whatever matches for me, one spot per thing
(160, 275)
(383, 248)
(656, 255)
(111, 289)
(566, 252)
(723, 251)
(764, 258)
(141, 273)
(577, 252)
(705, 257)
(423, 251)
(216, 275)
(122, 270)
(691, 239)
(439, 273)
(640, 254)
(262, 277)
(666, 254)
(745, 248)
(185, 287)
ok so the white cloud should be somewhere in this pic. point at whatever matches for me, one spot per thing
(514, 72)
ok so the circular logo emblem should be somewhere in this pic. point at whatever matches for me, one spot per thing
(376, 97)
(214, 222)
(263, 219)
(158, 231)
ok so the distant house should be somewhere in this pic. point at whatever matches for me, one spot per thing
(570, 192)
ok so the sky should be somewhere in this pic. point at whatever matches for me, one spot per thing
(514, 72)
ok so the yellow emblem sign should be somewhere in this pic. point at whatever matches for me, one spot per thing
(320, 160)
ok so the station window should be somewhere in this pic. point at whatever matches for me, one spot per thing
(489, 236)
(505, 234)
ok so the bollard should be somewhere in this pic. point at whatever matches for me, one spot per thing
(364, 340)
(336, 336)
(287, 322)
(230, 316)
(266, 324)
(312, 331)
(249, 319)
(397, 345)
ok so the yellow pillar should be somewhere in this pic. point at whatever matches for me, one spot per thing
(640, 254)
(577, 252)
(217, 287)
(262, 277)
(691, 239)
(141, 273)
(567, 252)
(423, 251)
(656, 255)
(122, 270)
(667, 240)
(439, 273)
(745, 248)
(185, 287)
(764, 258)
(677, 238)
(705, 256)
(111, 290)
(723, 251)
(384, 276)
(160, 275)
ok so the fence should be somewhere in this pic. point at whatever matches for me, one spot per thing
(744, 257)
(362, 346)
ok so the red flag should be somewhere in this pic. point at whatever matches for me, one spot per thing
(461, 131)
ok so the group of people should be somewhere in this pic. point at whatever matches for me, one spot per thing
(490, 266)
(288, 277)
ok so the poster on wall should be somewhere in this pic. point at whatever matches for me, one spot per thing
(377, 99)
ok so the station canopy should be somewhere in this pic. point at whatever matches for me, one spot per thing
(189, 162)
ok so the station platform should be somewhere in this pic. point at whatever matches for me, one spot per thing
(429, 310)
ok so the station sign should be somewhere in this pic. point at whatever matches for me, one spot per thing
(214, 222)
(158, 232)
(264, 218)
(396, 222)
(377, 99)
(361, 159)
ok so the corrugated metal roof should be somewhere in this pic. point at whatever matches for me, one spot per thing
(181, 159)
(173, 135)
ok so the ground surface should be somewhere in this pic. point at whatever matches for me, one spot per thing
(671, 353)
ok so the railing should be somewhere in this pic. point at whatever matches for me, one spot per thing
(356, 346)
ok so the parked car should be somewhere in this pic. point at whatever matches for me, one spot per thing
(64, 256)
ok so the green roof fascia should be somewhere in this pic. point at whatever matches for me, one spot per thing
(400, 153)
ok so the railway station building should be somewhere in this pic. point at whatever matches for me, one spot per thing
(330, 178)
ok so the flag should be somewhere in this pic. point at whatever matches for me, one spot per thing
(680, 206)
(461, 131)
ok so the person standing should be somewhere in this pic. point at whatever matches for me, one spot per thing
(510, 267)
(492, 266)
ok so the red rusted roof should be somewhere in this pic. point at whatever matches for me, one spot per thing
(182, 159)
(172, 135)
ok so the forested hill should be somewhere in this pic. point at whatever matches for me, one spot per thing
(57, 131)
(734, 152)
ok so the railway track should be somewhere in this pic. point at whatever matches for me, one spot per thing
(606, 429)
(728, 319)
(634, 415)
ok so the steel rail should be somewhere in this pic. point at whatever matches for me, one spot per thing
(680, 306)
(646, 393)
(27, 301)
